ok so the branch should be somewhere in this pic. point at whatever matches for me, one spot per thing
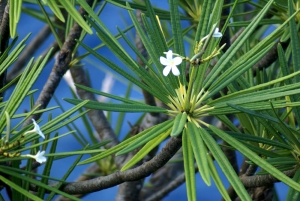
(97, 117)
(59, 69)
(93, 185)
(269, 58)
(162, 178)
(160, 194)
(263, 180)
(4, 36)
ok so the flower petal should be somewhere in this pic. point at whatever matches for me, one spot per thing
(37, 129)
(175, 71)
(167, 70)
(217, 35)
(40, 158)
(164, 61)
(170, 55)
(177, 60)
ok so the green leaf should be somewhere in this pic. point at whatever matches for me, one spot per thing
(189, 168)
(26, 81)
(295, 43)
(262, 22)
(14, 16)
(178, 36)
(215, 176)
(237, 69)
(122, 114)
(231, 52)
(255, 89)
(261, 96)
(19, 189)
(258, 139)
(56, 10)
(48, 167)
(125, 100)
(255, 158)
(51, 25)
(64, 178)
(155, 47)
(282, 161)
(179, 123)
(35, 182)
(202, 27)
(223, 162)
(123, 55)
(200, 151)
(145, 150)
(77, 17)
(294, 195)
(122, 145)
(122, 72)
(117, 107)
(156, 131)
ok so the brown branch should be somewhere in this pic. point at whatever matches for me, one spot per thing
(60, 67)
(263, 180)
(4, 36)
(166, 189)
(162, 178)
(269, 58)
(97, 117)
(4, 28)
(97, 184)
(3, 4)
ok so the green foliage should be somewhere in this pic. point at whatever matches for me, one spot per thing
(213, 80)
(190, 100)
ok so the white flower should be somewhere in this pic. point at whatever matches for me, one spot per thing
(216, 34)
(36, 129)
(170, 63)
(39, 157)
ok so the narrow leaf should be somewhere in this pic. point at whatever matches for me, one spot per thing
(200, 152)
(179, 123)
(225, 165)
(117, 107)
(255, 158)
(189, 169)
(145, 150)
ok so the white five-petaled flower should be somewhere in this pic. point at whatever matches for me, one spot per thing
(39, 157)
(36, 129)
(170, 63)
